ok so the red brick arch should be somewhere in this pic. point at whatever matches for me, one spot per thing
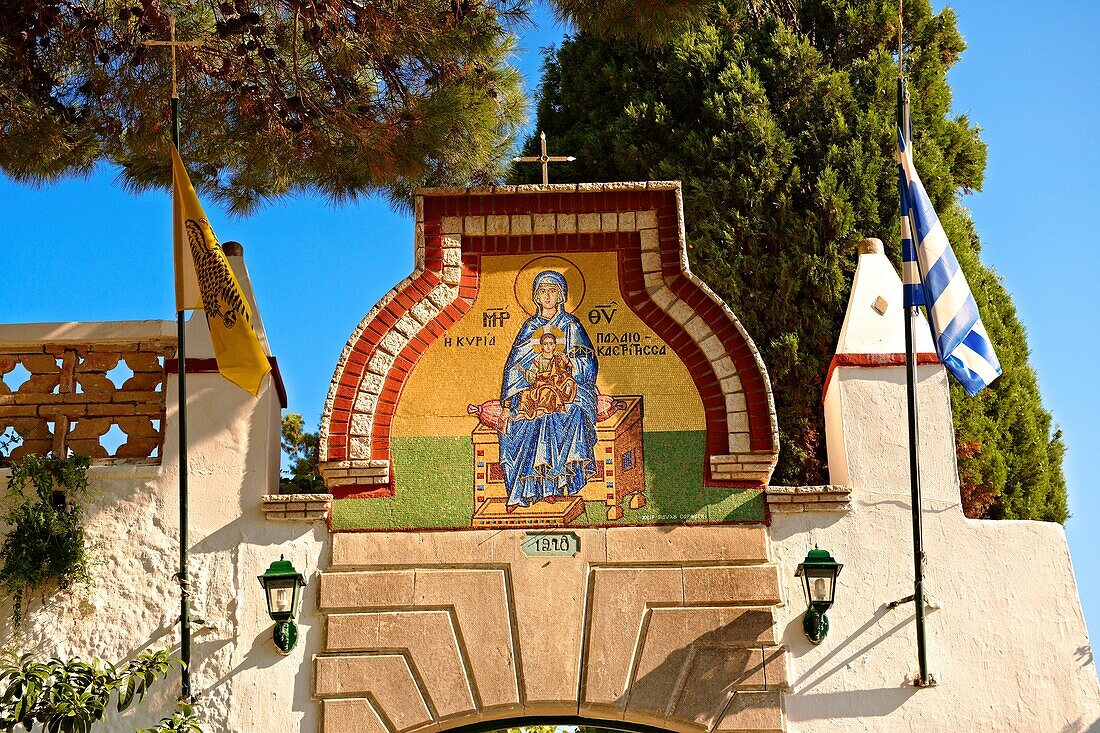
(642, 224)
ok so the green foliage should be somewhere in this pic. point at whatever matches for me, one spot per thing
(72, 696)
(375, 97)
(303, 450)
(9, 441)
(46, 541)
(183, 720)
(342, 98)
(779, 120)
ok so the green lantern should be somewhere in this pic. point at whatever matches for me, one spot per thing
(818, 572)
(283, 585)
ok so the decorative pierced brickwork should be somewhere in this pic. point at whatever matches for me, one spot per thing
(643, 224)
(69, 404)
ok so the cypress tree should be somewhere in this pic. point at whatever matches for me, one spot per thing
(779, 119)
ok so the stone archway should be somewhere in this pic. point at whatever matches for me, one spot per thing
(665, 627)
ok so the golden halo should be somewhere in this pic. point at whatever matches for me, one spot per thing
(525, 278)
(557, 333)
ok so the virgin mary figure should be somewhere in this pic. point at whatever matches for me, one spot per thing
(548, 401)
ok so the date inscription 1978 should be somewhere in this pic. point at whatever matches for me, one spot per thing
(550, 544)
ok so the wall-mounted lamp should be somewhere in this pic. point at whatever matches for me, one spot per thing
(283, 586)
(818, 572)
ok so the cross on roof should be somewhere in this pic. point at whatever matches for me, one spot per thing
(544, 159)
(172, 43)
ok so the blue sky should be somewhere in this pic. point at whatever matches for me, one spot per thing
(86, 250)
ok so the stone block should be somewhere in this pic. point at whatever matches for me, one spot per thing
(544, 224)
(451, 224)
(681, 312)
(424, 311)
(735, 402)
(483, 614)
(408, 325)
(620, 597)
(649, 239)
(723, 365)
(351, 715)
(743, 585)
(712, 349)
(474, 226)
(366, 589)
(381, 362)
(394, 342)
(370, 386)
(726, 543)
(677, 637)
(521, 224)
(651, 261)
(566, 223)
(646, 219)
(496, 225)
(663, 297)
(386, 678)
(430, 641)
(609, 221)
(588, 222)
(627, 221)
(739, 441)
(359, 446)
(759, 712)
(443, 295)
(361, 424)
(698, 329)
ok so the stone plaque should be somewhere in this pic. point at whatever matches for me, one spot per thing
(550, 544)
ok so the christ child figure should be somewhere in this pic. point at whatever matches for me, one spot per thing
(550, 375)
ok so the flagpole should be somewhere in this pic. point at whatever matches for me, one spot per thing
(912, 313)
(185, 592)
(181, 340)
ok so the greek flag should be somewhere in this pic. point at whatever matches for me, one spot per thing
(932, 278)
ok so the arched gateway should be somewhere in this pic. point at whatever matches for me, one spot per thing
(548, 449)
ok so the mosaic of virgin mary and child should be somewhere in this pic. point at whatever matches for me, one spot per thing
(548, 402)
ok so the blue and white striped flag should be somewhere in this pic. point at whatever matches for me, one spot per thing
(933, 278)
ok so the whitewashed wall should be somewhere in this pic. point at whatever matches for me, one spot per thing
(1007, 643)
(132, 602)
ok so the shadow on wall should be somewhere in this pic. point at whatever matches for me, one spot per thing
(852, 703)
(780, 531)
(1094, 727)
(678, 687)
(259, 656)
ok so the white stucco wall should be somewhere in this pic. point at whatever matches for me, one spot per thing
(1007, 643)
(132, 601)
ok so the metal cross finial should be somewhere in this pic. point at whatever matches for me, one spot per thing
(172, 43)
(544, 159)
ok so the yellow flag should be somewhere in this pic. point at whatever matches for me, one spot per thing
(205, 280)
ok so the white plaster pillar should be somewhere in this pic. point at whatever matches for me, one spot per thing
(865, 397)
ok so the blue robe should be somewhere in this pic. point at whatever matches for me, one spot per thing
(549, 455)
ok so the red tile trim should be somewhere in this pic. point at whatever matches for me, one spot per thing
(363, 491)
(210, 366)
(871, 360)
